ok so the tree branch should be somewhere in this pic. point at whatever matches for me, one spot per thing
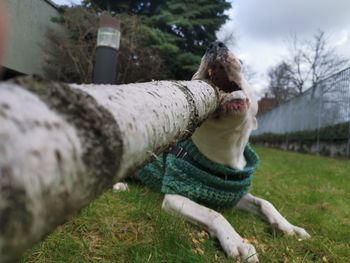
(62, 145)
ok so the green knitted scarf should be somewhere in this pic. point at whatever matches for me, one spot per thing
(215, 186)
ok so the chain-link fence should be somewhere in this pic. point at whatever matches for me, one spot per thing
(327, 104)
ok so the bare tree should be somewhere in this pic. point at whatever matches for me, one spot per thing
(323, 59)
(312, 60)
(281, 86)
(71, 49)
(70, 55)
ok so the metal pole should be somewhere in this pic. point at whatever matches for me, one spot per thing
(105, 70)
(106, 57)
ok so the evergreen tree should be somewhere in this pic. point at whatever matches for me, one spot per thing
(135, 7)
(179, 30)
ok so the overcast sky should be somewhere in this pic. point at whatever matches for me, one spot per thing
(66, 2)
(261, 27)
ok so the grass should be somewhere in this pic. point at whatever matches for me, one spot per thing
(310, 191)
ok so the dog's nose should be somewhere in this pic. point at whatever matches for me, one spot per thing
(213, 47)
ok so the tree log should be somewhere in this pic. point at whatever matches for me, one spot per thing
(62, 145)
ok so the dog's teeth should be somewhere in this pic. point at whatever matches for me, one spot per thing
(210, 72)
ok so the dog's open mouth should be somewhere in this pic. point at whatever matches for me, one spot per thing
(236, 105)
(218, 76)
(233, 100)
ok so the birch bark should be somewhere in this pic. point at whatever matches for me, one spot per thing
(62, 145)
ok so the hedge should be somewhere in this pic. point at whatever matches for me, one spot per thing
(329, 133)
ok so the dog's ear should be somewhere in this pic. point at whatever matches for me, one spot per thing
(255, 123)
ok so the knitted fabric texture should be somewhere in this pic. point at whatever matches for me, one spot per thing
(207, 187)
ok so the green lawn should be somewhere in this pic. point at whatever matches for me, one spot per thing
(312, 192)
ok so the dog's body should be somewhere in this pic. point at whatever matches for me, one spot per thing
(222, 139)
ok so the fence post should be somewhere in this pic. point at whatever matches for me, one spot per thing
(319, 118)
(348, 110)
(348, 148)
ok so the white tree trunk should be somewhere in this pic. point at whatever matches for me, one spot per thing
(62, 145)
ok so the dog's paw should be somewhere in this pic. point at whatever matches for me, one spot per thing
(300, 232)
(291, 230)
(121, 187)
(241, 251)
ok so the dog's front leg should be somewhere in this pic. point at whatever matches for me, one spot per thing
(232, 243)
(267, 211)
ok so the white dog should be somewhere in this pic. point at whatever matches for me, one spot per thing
(214, 167)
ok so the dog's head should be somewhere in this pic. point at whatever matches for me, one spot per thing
(238, 104)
